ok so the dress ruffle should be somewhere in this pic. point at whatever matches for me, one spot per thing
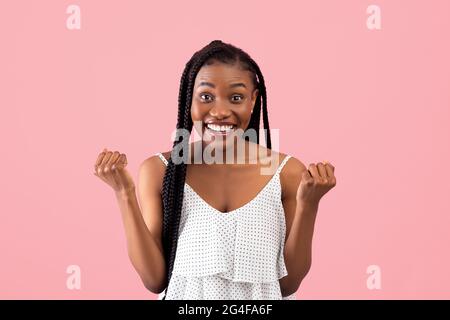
(217, 288)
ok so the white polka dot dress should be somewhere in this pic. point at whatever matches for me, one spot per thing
(238, 255)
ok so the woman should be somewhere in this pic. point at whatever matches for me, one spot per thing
(219, 229)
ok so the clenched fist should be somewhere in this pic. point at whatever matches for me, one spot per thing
(315, 182)
(110, 167)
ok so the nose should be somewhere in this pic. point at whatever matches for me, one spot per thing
(220, 111)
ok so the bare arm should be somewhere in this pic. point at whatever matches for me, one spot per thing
(144, 250)
(142, 229)
(303, 191)
(297, 251)
(298, 248)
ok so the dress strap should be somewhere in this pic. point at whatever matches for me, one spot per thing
(162, 158)
(282, 163)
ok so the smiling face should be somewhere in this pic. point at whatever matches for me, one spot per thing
(222, 101)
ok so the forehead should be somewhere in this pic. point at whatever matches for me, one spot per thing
(223, 73)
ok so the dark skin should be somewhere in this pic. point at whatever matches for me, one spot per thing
(222, 93)
(302, 188)
(225, 93)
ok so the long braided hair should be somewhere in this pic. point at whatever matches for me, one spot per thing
(175, 174)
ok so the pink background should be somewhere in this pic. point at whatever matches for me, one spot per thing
(375, 103)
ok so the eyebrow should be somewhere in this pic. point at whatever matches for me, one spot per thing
(209, 84)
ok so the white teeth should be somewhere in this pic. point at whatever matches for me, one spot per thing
(220, 128)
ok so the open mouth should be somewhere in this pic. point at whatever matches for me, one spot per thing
(216, 129)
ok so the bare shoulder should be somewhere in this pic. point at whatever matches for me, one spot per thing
(290, 178)
(291, 175)
(152, 170)
(294, 167)
(150, 180)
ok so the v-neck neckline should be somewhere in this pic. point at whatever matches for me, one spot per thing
(272, 178)
(248, 203)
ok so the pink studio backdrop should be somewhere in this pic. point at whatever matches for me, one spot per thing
(375, 103)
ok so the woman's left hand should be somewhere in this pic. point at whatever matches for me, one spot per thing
(315, 182)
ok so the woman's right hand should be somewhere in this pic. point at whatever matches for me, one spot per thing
(110, 167)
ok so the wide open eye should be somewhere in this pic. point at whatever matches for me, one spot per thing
(237, 98)
(206, 97)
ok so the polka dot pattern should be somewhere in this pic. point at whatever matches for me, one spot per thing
(234, 255)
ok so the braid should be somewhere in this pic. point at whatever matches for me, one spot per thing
(262, 92)
(256, 115)
(175, 174)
